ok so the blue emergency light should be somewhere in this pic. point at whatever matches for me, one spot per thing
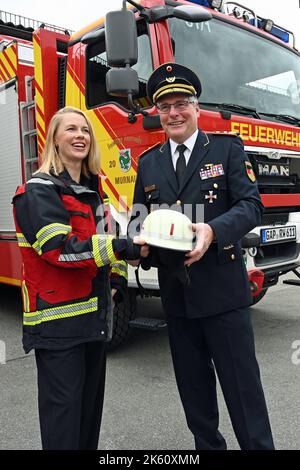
(265, 24)
(208, 3)
(269, 26)
(204, 3)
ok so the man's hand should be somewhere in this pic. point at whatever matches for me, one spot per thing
(204, 236)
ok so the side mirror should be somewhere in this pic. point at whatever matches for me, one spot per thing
(122, 45)
(122, 82)
(121, 38)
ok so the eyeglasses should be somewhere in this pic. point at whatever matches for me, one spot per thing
(181, 105)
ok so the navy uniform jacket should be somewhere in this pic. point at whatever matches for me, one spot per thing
(219, 281)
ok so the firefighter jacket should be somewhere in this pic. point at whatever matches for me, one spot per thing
(66, 264)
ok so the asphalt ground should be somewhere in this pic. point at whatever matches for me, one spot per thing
(142, 409)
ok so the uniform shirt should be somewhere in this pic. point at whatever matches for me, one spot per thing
(189, 143)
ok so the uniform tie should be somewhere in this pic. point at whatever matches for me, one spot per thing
(181, 163)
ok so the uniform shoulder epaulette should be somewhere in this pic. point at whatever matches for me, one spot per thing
(230, 133)
(149, 149)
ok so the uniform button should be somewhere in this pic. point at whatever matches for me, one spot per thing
(216, 185)
(233, 257)
(178, 202)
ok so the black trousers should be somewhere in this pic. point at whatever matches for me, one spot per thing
(225, 344)
(70, 395)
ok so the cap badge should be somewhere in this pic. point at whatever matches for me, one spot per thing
(170, 79)
(169, 68)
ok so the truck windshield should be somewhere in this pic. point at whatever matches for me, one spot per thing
(237, 66)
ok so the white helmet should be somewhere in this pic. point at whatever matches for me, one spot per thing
(167, 228)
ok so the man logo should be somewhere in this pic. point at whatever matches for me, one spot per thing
(2, 353)
(268, 169)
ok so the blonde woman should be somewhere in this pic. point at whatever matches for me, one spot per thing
(66, 291)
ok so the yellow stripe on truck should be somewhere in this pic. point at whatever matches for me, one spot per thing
(38, 75)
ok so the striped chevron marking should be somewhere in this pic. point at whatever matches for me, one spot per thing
(39, 94)
(8, 63)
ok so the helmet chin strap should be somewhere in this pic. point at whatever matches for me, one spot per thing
(175, 262)
(142, 290)
(183, 274)
(164, 258)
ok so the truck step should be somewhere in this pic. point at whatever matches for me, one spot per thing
(292, 282)
(147, 323)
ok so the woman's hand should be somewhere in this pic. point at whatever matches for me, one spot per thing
(143, 253)
(144, 247)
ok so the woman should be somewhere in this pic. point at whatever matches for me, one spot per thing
(66, 292)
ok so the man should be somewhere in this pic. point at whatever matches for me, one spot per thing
(208, 317)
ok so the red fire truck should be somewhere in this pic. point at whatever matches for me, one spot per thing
(250, 71)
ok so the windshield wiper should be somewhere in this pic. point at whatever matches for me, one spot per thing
(283, 117)
(234, 107)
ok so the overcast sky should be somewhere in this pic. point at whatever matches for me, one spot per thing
(75, 14)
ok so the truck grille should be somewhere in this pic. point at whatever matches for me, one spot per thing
(276, 176)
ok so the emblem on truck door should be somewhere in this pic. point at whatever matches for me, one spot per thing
(125, 159)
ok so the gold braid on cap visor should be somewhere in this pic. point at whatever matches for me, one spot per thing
(171, 88)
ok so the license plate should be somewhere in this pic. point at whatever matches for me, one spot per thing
(277, 234)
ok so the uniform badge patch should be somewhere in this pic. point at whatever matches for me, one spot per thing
(149, 188)
(250, 172)
(125, 160)
(211, 171)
